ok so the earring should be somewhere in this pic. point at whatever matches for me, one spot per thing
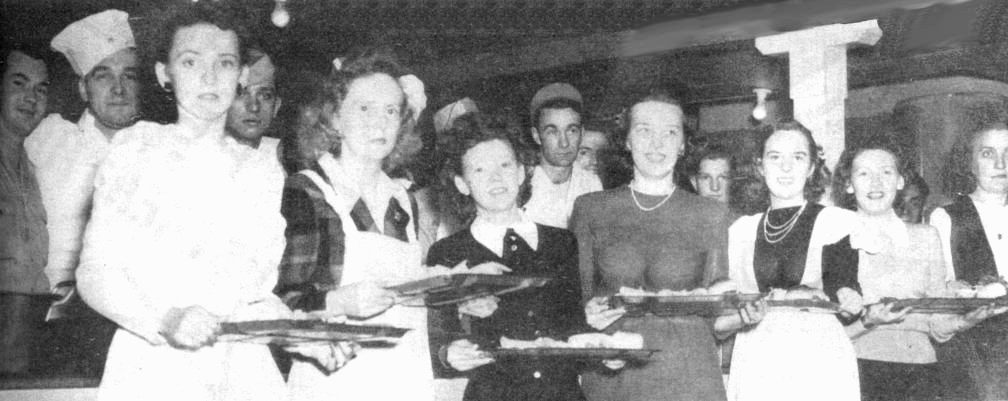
(850, 189)
(167, 87)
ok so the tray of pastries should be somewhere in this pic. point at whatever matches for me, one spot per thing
(588, 346)
(959, 298)
(701, 302)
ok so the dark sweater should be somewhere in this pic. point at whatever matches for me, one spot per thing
(553, 311)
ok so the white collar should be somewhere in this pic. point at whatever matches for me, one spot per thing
(347, 189)
(539, 176)
(88, 126)
(875, 235)
(987, 204)
(491, 235)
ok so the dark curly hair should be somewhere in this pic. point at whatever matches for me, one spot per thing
(958, 175)
(468, 131)
(842, 176)
(37, 52)
(221, 14)
(751, 190)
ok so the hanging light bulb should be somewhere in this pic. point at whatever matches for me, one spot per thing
(760, 111)
(280, 16)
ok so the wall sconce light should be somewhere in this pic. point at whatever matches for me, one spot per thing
(760, 111)
(280, 16)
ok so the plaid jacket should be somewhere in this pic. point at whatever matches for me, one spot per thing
(313, 259)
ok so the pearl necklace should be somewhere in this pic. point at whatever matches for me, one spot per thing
(780, 232)
(633, 194)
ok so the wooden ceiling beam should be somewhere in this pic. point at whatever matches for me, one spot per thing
(738, 24)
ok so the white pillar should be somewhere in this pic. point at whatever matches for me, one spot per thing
(817, 60)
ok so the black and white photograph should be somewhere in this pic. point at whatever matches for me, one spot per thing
(579, 200)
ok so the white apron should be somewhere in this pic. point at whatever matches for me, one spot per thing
(402, 372)
(226, 371)
(209, 239)
(791, 355)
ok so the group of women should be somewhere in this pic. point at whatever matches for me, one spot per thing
(186, 235)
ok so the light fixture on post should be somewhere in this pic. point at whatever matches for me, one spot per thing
(280, 16)
(760, 111)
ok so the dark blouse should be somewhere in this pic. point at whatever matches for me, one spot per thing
(782, 264)
(552, 311)
(679, 245)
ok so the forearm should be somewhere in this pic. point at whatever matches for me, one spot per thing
(109, 291)
(65, 234)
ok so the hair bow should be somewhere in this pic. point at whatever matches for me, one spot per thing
(416, 99)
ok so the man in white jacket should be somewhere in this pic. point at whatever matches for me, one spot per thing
(101, 50)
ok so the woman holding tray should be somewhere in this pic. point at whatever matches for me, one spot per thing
(790, 354)
(974, 235)
(651, 235)
(185, 233)
(351, 229)
(486, 183)
(890, 259)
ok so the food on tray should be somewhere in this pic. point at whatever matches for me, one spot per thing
(992, 289)
(541, 342)
(618, 340)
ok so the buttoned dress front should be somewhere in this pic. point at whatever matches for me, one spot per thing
(183, 219)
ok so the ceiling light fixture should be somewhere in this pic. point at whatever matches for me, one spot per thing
(280, 16)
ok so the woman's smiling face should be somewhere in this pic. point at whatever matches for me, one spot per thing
(492, 175)
(656, 138)
(786, 165)
(875, 181)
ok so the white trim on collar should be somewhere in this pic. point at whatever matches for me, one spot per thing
(492, 235)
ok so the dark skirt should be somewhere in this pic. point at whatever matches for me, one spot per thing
(974, 364)
(555, 380)
(892, 381)
(687, 367)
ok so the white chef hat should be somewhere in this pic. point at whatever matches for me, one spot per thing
(87, 42)
(444, 117)
(261, 69)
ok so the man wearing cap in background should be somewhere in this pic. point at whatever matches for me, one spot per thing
(100, 48)
(556, 127)
(23, 239)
